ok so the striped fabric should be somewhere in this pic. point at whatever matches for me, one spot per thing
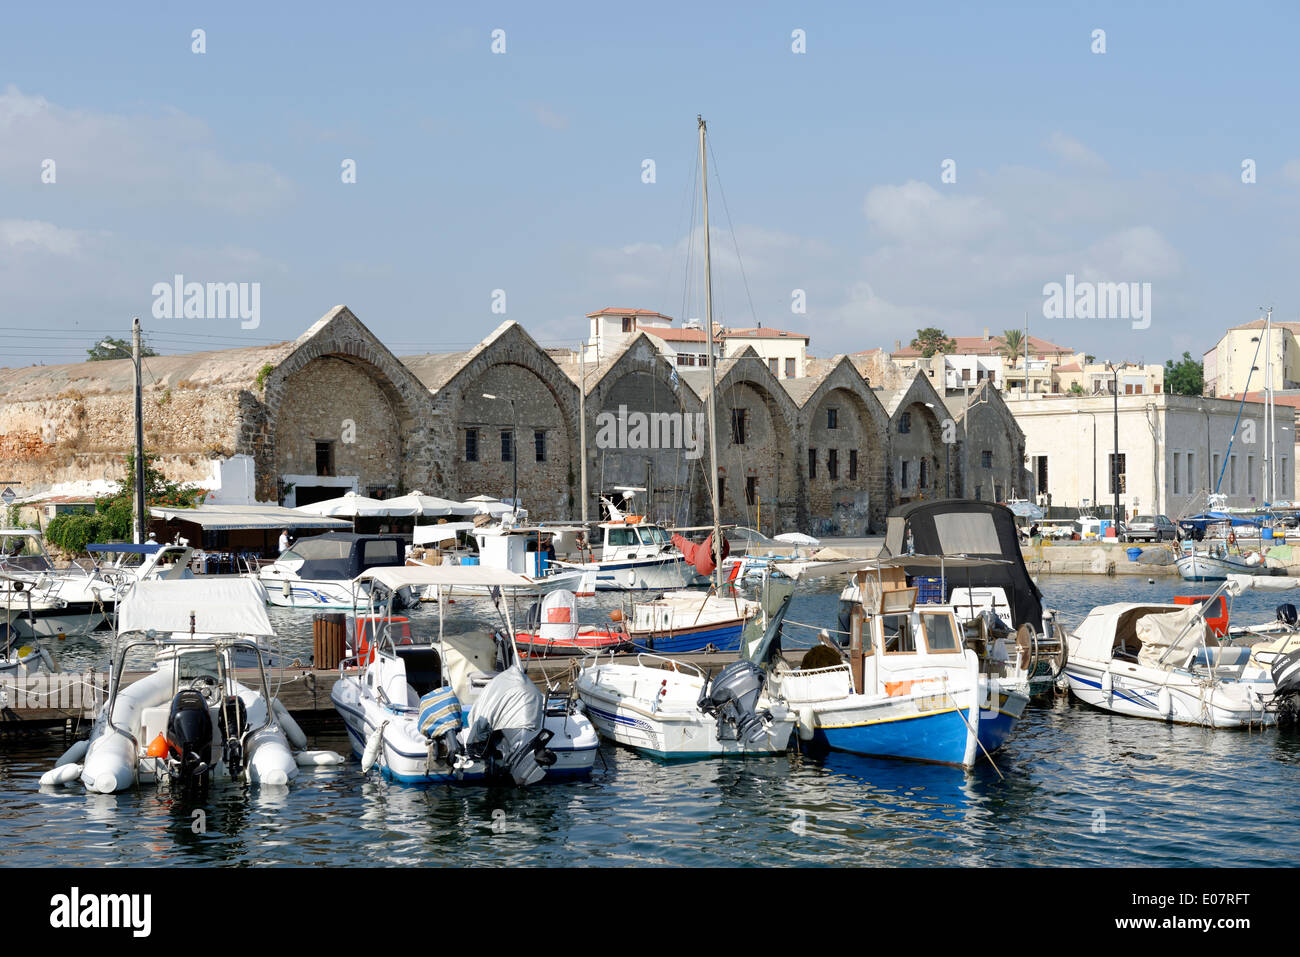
(439, 713)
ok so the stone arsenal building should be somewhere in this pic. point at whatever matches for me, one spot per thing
(826, 453)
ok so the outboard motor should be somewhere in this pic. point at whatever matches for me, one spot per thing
(1286, 688)
(732, 698)
(1286, 614)
(189, 730)
(506, 729)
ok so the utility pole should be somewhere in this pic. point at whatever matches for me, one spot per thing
(140, 517)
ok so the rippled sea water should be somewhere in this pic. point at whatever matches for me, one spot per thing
(1074, 786)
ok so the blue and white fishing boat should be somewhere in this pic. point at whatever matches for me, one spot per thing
(458, 708)
(911, 683)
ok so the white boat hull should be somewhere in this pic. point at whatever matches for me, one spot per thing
(626, 706)
(643, 574)
(1205, 568)
(1135, 690)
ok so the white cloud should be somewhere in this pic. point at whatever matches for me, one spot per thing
(141, 160)
(37, 236)
(549, 117)
(1074, 152)
(916, 212)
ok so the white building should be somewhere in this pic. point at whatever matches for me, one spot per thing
(786, 353)
(1171, 449)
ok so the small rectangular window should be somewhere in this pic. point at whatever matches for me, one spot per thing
(789, 368)
(905, 423)
(324, 458)
(832, 418)
(904, 475)
(853, 465)
(751, 489)
(986, 459)
(629, 324)
(507, 446)
(773, 366)
(471, 445)
(898, 634)
(738, 426)
(539, 445)
(939, 635)
(833, 463)
(812, 463)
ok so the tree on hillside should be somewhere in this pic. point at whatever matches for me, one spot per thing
(933, 340)
(111, 348)
(1186, 377)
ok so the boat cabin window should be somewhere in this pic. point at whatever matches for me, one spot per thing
(379, 552)
(654, 535)
(318, 549)
(622, 536)
(939, 635)
(898, 633)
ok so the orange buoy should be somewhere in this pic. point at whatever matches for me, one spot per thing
(616, 614)
(158, 747)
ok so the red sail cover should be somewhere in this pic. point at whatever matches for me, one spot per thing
(700, 554)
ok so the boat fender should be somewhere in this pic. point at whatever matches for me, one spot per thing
(1107, 684)
(807, 719)
(60, 775)
(49, 660)
(318, 759)
(158, 747)
(289, 726)
(373, 745)
(1165, 703)
(73, 754)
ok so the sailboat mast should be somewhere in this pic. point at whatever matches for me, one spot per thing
(1265, 485)
(713, 379)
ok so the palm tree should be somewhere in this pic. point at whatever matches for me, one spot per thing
(1012, 345)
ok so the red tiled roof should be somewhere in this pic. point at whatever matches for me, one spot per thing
(1279, 398)
(979, 346)
(615, 311)
(764, 333)
(1294, 327)
(1072, 367)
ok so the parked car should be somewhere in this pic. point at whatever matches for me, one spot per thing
(1151, 528)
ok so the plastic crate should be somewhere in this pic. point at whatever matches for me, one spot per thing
(929, 589)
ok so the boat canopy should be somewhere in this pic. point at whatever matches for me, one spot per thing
(125, 549)
(1112, 626)
(341, 556)
(216, 518)
(405, 576)
(1242, 583)
(953, 527)
(226, 606)
(813, 569)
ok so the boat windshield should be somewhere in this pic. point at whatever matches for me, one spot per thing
(318, 549)
(898, 633)
(192, 664)
(653, 535)
(621, 536)
(939, 634)
(23, 552)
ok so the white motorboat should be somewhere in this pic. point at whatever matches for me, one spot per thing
(517, 549)
(65, 601)
(190, 722)
(320, 572)
(460, 708)
(672, 710)
(1215, 563)
(635, 555)
(909, 685)
(1163, 662)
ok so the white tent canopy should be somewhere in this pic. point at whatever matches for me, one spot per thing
(226, 606)
(430, 506)
(433, 534)
(352, 505)
(797, 538)
(395, 577)
(226, 517)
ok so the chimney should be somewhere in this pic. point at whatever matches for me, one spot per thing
(898, 345)
(986, 334)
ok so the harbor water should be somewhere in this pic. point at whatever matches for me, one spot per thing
(1074, 786)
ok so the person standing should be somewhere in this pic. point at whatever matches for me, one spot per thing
(284, 541)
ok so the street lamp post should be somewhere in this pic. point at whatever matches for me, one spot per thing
(514, 449)
(139, 517)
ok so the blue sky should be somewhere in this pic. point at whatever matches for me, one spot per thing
(522, 171)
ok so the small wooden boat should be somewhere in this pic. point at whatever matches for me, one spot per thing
(551, 630)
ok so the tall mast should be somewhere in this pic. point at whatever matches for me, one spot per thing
(713, 379)
(582, 427)
(1266, 490)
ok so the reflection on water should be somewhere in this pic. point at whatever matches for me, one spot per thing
(1077, 787)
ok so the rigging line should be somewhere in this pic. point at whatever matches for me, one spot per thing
(717, 175)
(690, 243)
(686, 210)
